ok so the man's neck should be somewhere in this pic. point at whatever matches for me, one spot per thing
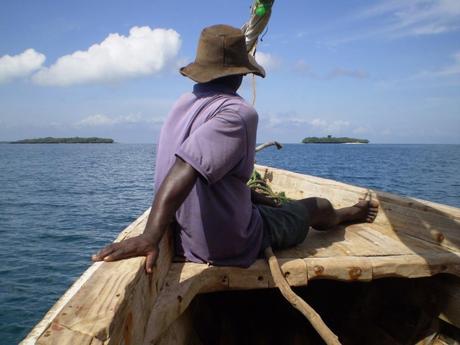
(232, 82)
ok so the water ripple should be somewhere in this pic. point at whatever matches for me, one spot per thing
(60, 203)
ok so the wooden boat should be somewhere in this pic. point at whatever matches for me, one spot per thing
(396, 281)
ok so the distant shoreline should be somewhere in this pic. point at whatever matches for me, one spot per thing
(69, 140)
(333, 140)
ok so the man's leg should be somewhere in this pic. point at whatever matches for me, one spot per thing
(323, 216)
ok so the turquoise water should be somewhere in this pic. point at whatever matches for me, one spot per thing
(60, 203)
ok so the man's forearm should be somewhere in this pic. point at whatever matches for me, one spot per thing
(170, 196)
(172, 193)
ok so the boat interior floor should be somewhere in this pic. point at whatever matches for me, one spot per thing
(388, 311)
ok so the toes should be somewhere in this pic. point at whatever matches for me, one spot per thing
(374, 204)
(371, 216)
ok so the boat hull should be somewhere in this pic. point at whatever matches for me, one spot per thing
(117, 303)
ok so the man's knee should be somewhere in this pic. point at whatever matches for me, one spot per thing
(324, 204)
(321, 212)
(316, 204)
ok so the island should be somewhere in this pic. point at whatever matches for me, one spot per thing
(71, 140)
(333, 140)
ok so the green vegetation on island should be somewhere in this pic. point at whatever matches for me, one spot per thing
(333, 140)
(72, 140)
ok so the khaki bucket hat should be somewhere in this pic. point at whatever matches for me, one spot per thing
(221, 52)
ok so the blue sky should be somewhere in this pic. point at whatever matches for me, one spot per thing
(386, 70)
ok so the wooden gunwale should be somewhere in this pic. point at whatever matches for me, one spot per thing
(114, 303)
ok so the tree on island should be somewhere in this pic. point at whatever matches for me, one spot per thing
(333, 140)
(72, 140)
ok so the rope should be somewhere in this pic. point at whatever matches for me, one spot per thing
(260, 185)
(260, 15)
(316, 321)
(254, 94)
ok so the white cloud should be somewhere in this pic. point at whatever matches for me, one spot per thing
(104, 120)
(101, 120)
(348, 73)
(21, 65)
(447, 71)
(453, 69)
(361, 130)
(268, 61)
(301, 66)
(144, 51)
(317, 124)
(414, 17)
(330, 126)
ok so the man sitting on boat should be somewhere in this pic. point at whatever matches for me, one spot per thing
(205, 157)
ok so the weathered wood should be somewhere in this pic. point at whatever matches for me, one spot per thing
(57, 335)
(45, 323)
(112, 304)
(186, 280)
(414, 266)
(117, 303)
(180, 332)
(40, 328)
(349, 269)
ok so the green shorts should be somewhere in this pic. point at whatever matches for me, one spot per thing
(284, 226)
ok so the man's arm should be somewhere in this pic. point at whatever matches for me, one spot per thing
(172, 193)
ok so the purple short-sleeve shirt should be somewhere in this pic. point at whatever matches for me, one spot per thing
(214, 130)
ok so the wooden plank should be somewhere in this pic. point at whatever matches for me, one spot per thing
(301, 186)
(445, 234)
(373, 244)
(186, 280)
(318, 244)
(354, 240)
(298, 185)
(175, 298)
(388, 245)
(421, 247)
(44, 324)
(180, 332)
(347, 269)
(40, 328)
(283, 178)
(113, 304)
(398, 216)
(419, 204)
(414, 266)
(57, 334)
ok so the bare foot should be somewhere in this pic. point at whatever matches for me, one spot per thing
(363, 211)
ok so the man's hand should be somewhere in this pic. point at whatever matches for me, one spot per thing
(137, 246)
(260, 199)
(171, 194)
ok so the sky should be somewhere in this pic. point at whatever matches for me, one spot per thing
(384, 70)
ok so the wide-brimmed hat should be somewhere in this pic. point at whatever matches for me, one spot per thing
(221, 52)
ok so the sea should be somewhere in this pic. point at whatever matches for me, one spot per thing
(59, 203)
